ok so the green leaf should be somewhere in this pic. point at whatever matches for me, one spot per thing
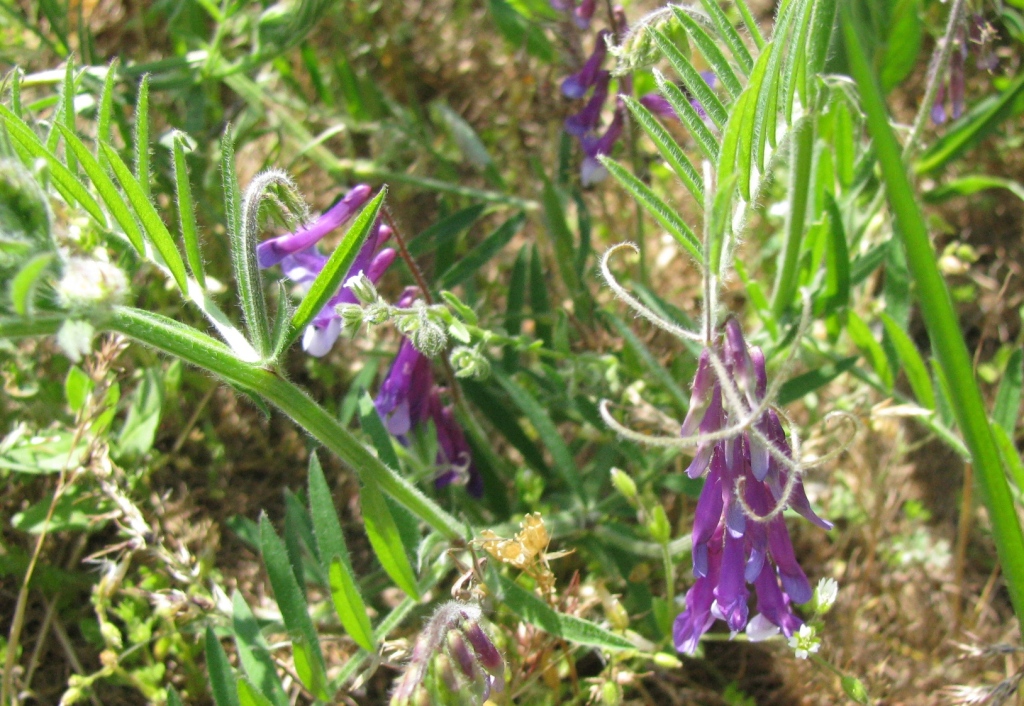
(862, 337)
(539, 302)
(75, 511)
(249, 696)
(248, 279)
(445, 230)
(737, 139)
(172, 697)
(385, 538)
(795, 388)
(688, 115)
(729, 35)
(151, 221)
(348, 602)
(801, 162)
(561, 455)
(570, 628)
(520, 32)
(913, 364)
(77, 386)
(67, 183)
(476, 258)
(1011, 458)
(186, 212)
(142, 137)
(371, 423)
(143, 420)
(692, 79)
(67, 109)
(331, 277)
(561, 237)
(222, 680)
(112, 198)
(837, 262)
(106, 108)
(972, 184)
(670, 150)
(1004, 413)
(23, 284)
(902, 44)
(505, 422)
(662, 212)
(309, 661)
(254, 652)
(978, 122)
(709, 49)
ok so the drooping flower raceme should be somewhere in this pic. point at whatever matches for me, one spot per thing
(409, 399)
(301, 261)
(738, 539)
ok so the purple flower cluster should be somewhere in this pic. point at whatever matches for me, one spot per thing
(453, 638)
(301, 261)
(738, 537)
(585, 124)
(410, 399)
(979, 32)
(582, 10)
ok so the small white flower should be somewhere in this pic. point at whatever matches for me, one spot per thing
(805, 642)
(825, 595)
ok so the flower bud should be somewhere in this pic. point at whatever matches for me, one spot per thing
(488, 655)
(470, 363)
(611, 694)
(351, 318)
(658, 525)
(854, 688)
(362, 288)
(459, 651)
(624, 484)
(825, 595)
(667, 661)
(429, 338)
(377, 312)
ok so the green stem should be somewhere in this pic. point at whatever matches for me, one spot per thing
(940, 319)
(204, 352)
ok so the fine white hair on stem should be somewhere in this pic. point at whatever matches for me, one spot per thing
(635, 303)
(792, 479)
(854, 424)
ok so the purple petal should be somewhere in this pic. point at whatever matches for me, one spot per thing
(794, 580)
(773, 604)
(707, 516)
(731, 594)
(659, 106)
(577, 85)
(588, 118)
(317, 340)
(272, 251)
(693, 622)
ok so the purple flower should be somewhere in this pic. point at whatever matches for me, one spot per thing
(733, 547)
(584, 12)
(589, 117)
(301, 262)
(592, 171)
(272, 251)
(577, 85)
(659, 106)
(409, 398)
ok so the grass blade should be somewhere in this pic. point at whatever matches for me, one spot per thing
(476, 258)
(248, 695)
(331, 277)
(155, 228)
(662, 212)
(1004, 413)
(670, 150)
(913, 364)
(940, 317)
(222, 679)
(445, 230)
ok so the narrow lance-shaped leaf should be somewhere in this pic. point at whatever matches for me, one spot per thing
(330, 278)
(694, 82)
(309, 661)
(248, 695)
(801, 162)
(254, 652)
(222, 679)
(729, 34)
(112, 198)
(151, 221)
(1004, 413)
(142, 137)
(751, 24)
(186, 212)
(662, 212)
(348, 603)
(385, 538)
(862, 337)
(243, 254)
(688, 115)
(67, 96)
(669, 149)
(709, 49)
(913, 364)
(106, 108)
